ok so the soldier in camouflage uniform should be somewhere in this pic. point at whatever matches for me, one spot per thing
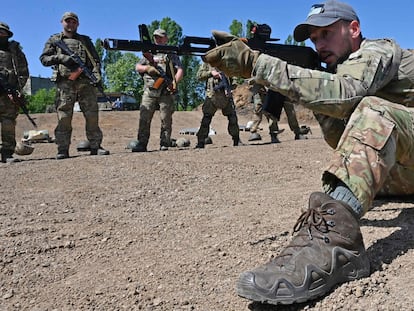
(260, 96)
(14, 71)
(73, 85)
(365, 105)
(161, 73)
(217, 97)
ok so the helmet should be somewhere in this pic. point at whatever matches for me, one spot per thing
(208, 140)
(133, 144)
(83, 145)
(182, 142)
(23, 149)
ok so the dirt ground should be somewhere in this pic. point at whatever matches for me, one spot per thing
(172, 230)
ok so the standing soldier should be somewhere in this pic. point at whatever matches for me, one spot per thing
(14, 72)
(161, 73)
(73, 85)
(218, 96)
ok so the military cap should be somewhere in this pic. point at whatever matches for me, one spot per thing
(322, 15)
(6, 27)
(160, 33)
(72, 15)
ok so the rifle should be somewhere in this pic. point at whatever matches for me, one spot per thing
(224, 85)
(164, 79)
(260, 40)
(15, 97)
(81, 69)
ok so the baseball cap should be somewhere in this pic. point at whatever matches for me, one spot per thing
(322, 15)
(160, 33)
(6, 27)
(72, 15)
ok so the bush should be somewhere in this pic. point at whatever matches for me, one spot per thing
(41, 100)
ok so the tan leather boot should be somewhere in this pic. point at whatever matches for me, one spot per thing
(327, 250)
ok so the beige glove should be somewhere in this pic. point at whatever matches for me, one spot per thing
(233, 56)
(152, 71)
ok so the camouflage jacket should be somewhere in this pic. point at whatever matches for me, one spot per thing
(204, 74)
(162, 62)
(13, 65)
(80, 44)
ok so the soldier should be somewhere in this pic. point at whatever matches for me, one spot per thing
(218, 96)
(73, 86)
(14, 72)
(365, 105)
(258, 98)
(161, 73)
(262, 97)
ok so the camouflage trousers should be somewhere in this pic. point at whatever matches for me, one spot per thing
(375, 154)
(166, 105)
(69, 92)
(258, 100)
(210, 107)
(8, 115)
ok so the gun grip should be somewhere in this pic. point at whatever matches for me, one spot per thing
(75, 74)
(158, 83)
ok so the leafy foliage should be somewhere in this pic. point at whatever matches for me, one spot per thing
(122, 76)
(41, 100)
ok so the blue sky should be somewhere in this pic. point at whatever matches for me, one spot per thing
(33, 21)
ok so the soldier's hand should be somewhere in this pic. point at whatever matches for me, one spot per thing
(233, 56)
(152, 71)
(66, 60)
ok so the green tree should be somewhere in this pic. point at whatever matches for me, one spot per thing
(190, 89)
(106, 57)
(292, 41)
(236, 28)
(41, 100)
(122, 76)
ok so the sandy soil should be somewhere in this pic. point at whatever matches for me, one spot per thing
(172, 230)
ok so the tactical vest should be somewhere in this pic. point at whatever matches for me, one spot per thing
(77, 47)
(9, 64)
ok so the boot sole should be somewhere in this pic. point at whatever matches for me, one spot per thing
(285, 293)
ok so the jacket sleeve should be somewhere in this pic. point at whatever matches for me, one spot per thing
(49, 55)
(334, 94)
(204, 72)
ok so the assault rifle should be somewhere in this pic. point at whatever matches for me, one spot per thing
(224, 85)
(15, 97)
(260, 40)
(81, 69)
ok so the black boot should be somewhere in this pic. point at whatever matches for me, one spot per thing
(327, 250)
(99, 151)
(63, 153)
(274, 139)
(200, 143)
(237, 141)
(7, 157)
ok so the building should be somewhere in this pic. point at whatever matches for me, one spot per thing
(34, 84)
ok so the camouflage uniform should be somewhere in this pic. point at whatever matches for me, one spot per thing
(154, 99)
(258, 98)
(68, 91)
(366, 112)
(14, 69)
(214, 100)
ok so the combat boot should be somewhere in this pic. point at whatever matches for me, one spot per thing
(327, 250)
(274, 139)
(139, 148)
(62, 154)
(99, 151)
(7, 157)
(237, 141)
(200, 144)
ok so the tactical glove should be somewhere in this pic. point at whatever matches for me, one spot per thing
(152, 71)
(233, 56)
